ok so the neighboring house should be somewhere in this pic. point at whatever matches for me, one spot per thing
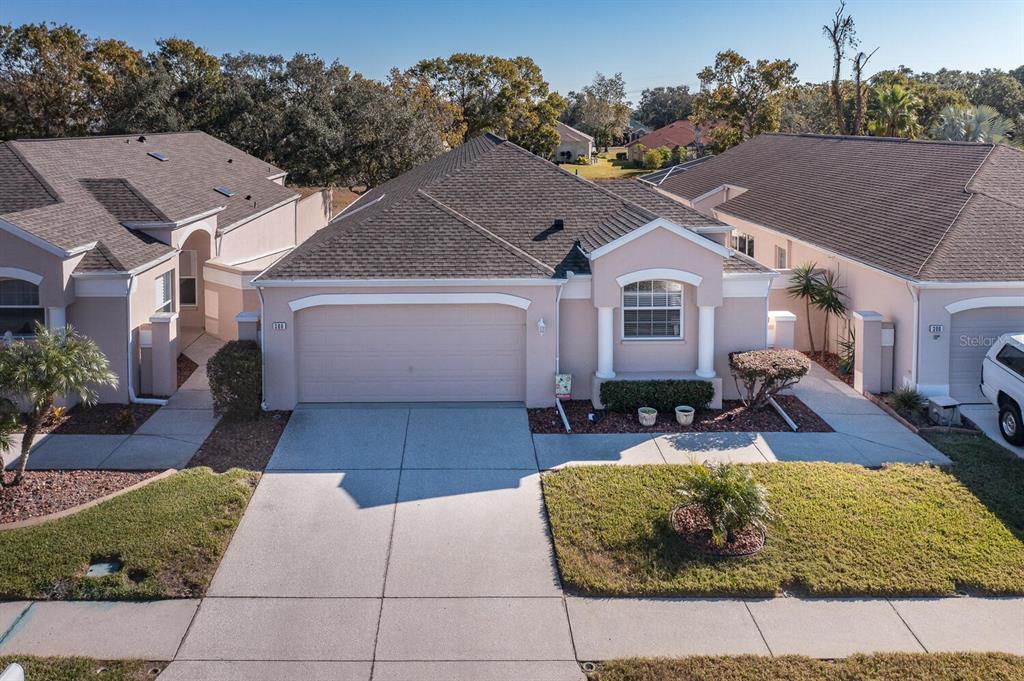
(634, 130)
(572, 144)
(480, 274)
(930, 235)
(141, 242)
(674, 136)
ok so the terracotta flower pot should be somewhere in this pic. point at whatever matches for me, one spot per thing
(648, 416)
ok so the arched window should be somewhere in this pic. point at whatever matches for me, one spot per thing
(19, 307)
(652, 310)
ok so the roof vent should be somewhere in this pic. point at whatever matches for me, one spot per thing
(558, 225)
(142, 139)
(224, 190)
(157, 155)
(230, 160)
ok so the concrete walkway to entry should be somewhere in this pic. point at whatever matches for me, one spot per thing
(864, 435)
(167, 439)
(396, 543)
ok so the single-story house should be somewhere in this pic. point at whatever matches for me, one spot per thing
(481, 274)
(572, 144)
(927, 234)
(633, 130)
(682, 134)
(141, 242)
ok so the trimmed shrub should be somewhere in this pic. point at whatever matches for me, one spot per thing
(236, 378)
(657, 157)
(583, 160)
(761, 374)
(628, 396)
(906, 401)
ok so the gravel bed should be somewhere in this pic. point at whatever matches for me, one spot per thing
(44, 492)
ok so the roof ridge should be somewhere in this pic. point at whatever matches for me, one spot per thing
(523, 255)
(114, 136)
(874, 138)
(32, 170)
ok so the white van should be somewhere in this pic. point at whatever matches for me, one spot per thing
(1002, 381)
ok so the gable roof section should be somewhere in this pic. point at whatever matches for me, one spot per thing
(567, 133)
(76, 191)
(487, 209)
(682, 133)
(917, 209)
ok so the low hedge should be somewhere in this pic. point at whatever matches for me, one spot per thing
(666, 395)
(236, 380)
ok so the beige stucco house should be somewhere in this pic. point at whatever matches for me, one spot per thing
(928, 235)
(481, 274)
(572, 144)
(141, 242)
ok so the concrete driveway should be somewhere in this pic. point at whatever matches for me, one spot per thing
(406, 539)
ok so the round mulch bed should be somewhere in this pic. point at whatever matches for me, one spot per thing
(691, 523)
(44, 492)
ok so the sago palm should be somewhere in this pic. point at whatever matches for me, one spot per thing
(893, 112)
(980, 123)
(55, 364)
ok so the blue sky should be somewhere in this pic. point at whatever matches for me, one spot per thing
(651, 42)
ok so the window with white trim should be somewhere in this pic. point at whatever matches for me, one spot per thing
(742, 242)
(19, 307)
(652, 310)
(187, 279)
(165, 292)
(781, 258)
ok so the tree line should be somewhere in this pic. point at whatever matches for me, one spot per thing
(330, 126)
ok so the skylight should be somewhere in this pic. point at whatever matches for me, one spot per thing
(224, 190)
(157, 155)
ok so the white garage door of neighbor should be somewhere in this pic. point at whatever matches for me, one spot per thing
(411, 353)
(972, 333)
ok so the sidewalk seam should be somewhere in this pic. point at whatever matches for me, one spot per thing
(15, 623)
(907, 625)
(195, 613)
(758, 627)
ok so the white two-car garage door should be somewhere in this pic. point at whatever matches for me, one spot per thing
(411, 353)
(972, 333)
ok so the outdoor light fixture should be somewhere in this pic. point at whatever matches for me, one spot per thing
(541, 326)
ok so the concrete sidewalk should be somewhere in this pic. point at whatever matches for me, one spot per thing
(168, 439)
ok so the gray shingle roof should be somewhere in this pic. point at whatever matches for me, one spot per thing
(487, 209)
(919, 209)
(75, 191)
(567, 133)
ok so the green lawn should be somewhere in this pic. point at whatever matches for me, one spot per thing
(170, 535)
(842, 529)
(79, 668)
(607, 167)
(881, 667)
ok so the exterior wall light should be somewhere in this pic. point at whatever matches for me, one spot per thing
(541, 326)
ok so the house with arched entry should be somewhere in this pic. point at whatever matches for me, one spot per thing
(142, 242)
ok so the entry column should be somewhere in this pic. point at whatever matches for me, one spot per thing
(605, 342)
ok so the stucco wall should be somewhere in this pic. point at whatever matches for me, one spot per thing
(578, 344)
(312, 213)
(279, 345)
(105, 321)
(740, 324)
(576, 149)
(194, 316)
(267, 233)
(54, 290)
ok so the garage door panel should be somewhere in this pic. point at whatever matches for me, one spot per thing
(972, 333)
(411, 353)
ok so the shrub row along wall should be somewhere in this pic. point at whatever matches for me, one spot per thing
(662, 395)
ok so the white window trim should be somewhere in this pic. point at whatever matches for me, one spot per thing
(647, 339)
(734, 241)
(167, 305)
(194, 277)
(785, 254)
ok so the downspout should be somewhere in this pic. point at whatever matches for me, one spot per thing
(263, 355)
(132, 397)
(915, 294)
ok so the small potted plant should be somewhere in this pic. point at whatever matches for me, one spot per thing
(648, 416)
(684, 415)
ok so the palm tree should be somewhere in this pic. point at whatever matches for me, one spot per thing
(893, 112)
(829, 299)
(803, 285)
(57, 363)
(981, 123)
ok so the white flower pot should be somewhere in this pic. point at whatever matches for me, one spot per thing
(684, 415)
(648, 416)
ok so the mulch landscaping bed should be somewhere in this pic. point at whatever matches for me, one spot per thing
(830, 361)
(691, 523)
(44, 492)
(100, 419)
(185, 368)
(242, 444)
(731, 418)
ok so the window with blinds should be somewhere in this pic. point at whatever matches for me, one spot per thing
(165, 292)
(652, 310)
